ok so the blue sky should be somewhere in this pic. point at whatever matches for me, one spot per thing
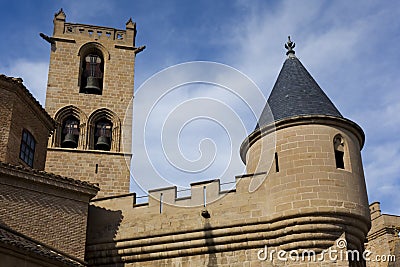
(350, 48)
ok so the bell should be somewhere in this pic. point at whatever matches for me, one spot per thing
(92, 85)
(69, 141)
(103, 143)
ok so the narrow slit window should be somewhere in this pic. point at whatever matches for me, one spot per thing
(276, 162)
(339, 151)
(161, 202)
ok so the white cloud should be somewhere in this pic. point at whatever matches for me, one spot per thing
(34, 75)
(345, 52)
(383, 174)
(218, 98)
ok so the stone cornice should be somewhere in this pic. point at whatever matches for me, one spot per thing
(28, 246)
(43, 178)
(301, 120)
(73, 150)
(16, 86)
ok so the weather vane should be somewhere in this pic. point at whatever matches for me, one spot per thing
(289, 46)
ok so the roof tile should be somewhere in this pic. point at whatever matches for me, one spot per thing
(296, 93)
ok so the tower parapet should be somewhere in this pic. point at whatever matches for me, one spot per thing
(70, 31)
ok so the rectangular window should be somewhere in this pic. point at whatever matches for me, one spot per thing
(27, 150)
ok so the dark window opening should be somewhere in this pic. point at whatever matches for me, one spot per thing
(339, 159)
(70, 133)
(92, 74)
(97, 168)
(103, 130)
(276, 162)
(27, 150)
(339, 151)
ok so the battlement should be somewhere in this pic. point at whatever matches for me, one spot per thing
(201, 194)
(72, 31)
(305, 194)
(94, 32)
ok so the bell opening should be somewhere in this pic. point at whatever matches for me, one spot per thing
(103, 143)
(92, 86)
(91, 80)
(70, 133)
(69, 141)
(103, 135)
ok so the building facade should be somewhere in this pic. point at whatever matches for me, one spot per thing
(43, 216)
(90, 89)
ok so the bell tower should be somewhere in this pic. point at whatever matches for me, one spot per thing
(89, 91)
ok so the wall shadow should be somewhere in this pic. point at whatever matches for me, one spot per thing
(209, 239)
(102, 228)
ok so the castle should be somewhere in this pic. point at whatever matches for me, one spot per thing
(64, 181)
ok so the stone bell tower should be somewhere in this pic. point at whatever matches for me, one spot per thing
(90, 87)
(317, 176)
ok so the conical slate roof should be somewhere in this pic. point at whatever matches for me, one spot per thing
(296, 93)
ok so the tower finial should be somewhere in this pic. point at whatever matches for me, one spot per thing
(289, 46)
(60, 14)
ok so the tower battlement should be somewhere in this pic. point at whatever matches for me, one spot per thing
(70, 31)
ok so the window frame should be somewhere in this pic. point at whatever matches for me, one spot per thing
(27, 148)
(339, 152)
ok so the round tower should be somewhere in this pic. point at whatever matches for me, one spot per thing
(317, 176)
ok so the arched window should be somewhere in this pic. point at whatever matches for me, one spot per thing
(104, 130)
(70, 133)
(70, 129)
(92, 69)
(338, 145)
(103, 135)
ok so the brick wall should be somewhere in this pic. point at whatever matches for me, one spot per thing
(19, 111)
(6, 106)
(46, 208)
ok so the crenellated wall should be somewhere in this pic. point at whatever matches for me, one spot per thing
(308, 204)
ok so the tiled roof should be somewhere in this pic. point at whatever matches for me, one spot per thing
(19, 241)
(52, 176)
(296, 93)
(19, 83)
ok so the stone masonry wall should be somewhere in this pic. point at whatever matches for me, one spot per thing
(112, 168)
(307, 204)
(383, 238)
(63, 89)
